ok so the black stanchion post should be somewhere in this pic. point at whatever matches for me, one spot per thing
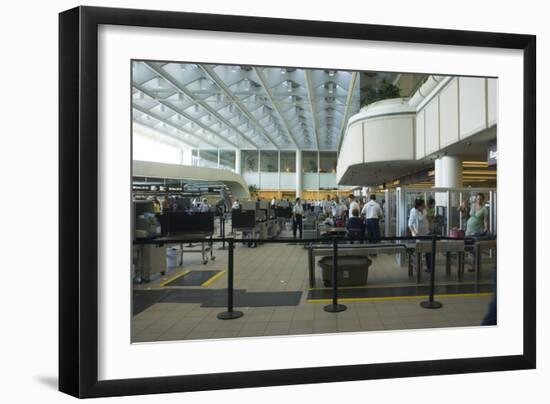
(222, 230)
(335, 307)
(230, 314)
(430, 303)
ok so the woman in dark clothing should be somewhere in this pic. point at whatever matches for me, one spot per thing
(356, 225)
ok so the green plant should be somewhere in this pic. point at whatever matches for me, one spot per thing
(253, 190)
(383, 91)
(250, 163)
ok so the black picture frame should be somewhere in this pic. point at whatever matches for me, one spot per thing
(78, 207)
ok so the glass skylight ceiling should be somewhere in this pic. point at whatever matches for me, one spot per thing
(245, 107)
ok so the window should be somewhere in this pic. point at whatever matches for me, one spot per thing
(327, 162)
(227, 159)
(249, 160)
(194, 157)
(209, 158)
(269, 161)
(309, 162)
(288, 161)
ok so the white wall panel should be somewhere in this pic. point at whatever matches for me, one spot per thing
(352, 149)
(269, 180)
(389, 138)
(252, 178)
(310, 181)
(492, 88)
(327, 180)
(472, 113)
(288, 181)
(420, 143)
(432, 126)
(448, 114)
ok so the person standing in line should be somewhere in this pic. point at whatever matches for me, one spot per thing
(373, 213)
(205, 207)
(479, 217)
(297, 215)
(166, 204)
(353, 205)
(156, 205)
(418, 225)
(355, 226)
(273, 203)
(327, 206)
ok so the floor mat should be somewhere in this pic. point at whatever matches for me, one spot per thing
(257, 299)
(197, 295)
(143, 299)
(192, 278)
(401, 291)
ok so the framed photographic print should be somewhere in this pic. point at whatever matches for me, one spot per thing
(251, 201)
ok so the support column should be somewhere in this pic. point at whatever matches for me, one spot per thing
(298, 174)
(238, 162)
(448, 174)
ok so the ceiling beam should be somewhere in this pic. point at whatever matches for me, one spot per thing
(312, 105)
(179, 111)
(354, 76)
(219, 82)
(151, 127)
(167, 122)
(179, 88)
(265, 86)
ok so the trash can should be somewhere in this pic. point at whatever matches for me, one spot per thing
(352, 270)
(173, 257)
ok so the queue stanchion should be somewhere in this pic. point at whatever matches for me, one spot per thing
(334, 307)
(431, 303)
(230, 314)
(222, 230)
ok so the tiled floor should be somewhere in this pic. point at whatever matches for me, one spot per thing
(283, 267)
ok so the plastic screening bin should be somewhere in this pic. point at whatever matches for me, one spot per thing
(352, 270)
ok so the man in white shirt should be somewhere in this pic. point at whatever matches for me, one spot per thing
(236, 205)
(297, 215)
(273, 202)
(372, 212)
(327, 206)
(352, 205)
(418, 225)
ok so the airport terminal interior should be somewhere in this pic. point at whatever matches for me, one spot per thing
(277, 201)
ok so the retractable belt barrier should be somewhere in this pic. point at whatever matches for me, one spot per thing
(334, 307)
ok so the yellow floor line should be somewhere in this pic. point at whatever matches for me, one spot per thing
(174, 278)
(212, 278)
(362, 299)
(401, 285)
